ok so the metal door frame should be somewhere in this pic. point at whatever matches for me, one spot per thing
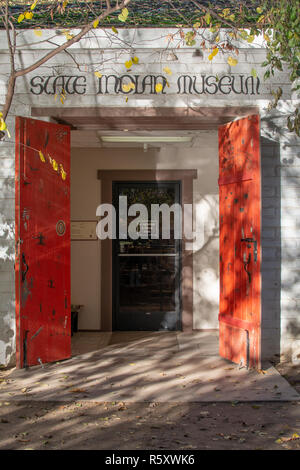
(115, 279)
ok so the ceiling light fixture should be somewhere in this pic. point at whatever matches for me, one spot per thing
(145, 139)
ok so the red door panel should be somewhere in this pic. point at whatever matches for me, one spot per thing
(43, 332)
(240, 257)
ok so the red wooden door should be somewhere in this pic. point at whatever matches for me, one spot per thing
(43, 331)
(240, 248)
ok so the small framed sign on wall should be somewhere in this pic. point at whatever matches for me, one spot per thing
(83, 230)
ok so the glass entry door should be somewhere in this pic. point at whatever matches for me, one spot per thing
(146, 270)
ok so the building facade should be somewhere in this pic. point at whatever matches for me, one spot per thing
(195, 98)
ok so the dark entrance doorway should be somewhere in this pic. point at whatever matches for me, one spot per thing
(146, 271)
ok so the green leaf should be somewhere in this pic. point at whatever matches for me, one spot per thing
(207, 18)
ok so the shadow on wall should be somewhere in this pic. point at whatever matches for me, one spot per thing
(206, 264)
(271, 251)
(7, 282)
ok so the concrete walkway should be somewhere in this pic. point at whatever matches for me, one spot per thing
(146, 367)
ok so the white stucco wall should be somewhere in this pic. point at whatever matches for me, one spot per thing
(281, 179)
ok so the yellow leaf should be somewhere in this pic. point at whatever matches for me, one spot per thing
(115, 30)
(125, 87)
(213, 53)
(28, 15)
(98, 74)
(250, 38)
(96, 22)
(196, 25)
(231, 61)
(68, 35)
(33, 5)
(65, 3)
(128, 64)
(21, 18)
(42, 156)
(63, 173)
(123, 16)
(135, 60)
(207, 18)
(126, 99)
(217, 39)
(295, 436)
(3, 126)
(54, 165)
(37, 32)
(266, 37)
(168, 70)
(158, 87)
(259, 10)
(128, 86)
(226, 12)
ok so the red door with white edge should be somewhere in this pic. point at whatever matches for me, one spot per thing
(42, 265)
(240, 242)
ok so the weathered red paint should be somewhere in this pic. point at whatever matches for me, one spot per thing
(240, 247)
(43, 326)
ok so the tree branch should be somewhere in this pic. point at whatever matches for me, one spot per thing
(12, 77)
(19, 73)
(69, 43)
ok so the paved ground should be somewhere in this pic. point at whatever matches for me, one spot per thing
(160, 426)
(163, 391)
(147, 367)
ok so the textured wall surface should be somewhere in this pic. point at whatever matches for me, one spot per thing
(281, 246)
